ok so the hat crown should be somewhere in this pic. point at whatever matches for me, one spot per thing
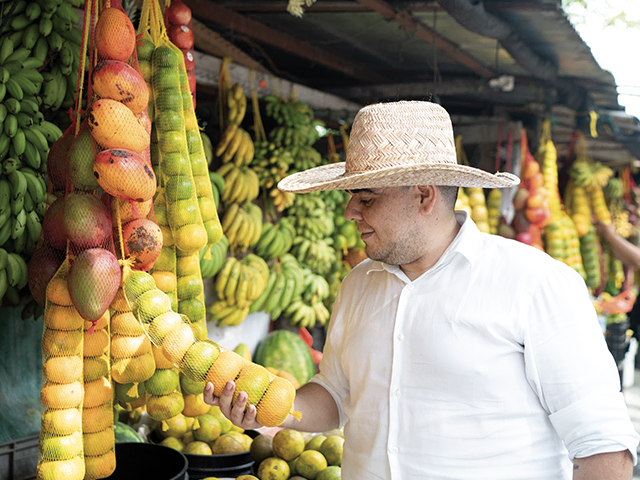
(388, 135)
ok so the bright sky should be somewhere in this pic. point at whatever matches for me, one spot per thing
(615, 48)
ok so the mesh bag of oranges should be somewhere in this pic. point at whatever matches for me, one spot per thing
(200, 359)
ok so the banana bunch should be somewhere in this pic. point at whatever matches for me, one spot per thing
(620, 220)
(236, 104)
(309, 308)
(13, 275)
(23, 202)
(297, 116)
(311, 217)
(275, 239)
(211, 264)
(217, 186)
(590, 174)
(319, 255)
(282, 200)
(242, 226)
(614, 189)
(235, 146)
(494, 200)
(241, 184)
(286, 281)
(271, 164)
(238, 284)
(44, 31)
(305, 157)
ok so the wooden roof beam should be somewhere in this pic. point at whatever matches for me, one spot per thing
(426, 33)
(205, 9)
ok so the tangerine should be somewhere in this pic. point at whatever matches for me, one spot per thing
(226, 368)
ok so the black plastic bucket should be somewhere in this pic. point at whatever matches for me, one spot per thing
(146, 460)
(203, 466)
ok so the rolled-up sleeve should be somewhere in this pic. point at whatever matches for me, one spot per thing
(570, 367)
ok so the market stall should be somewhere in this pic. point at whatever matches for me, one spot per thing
(145, 248)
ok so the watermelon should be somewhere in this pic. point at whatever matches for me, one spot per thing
(125, 434)
(284, 350)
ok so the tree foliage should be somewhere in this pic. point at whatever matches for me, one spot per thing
(610, 13)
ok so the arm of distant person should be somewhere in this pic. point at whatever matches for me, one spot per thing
(317, 406)
(621, 248)
(612, 466)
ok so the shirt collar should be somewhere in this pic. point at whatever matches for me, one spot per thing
(464, 244)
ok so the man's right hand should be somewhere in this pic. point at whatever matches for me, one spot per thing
(240, 414)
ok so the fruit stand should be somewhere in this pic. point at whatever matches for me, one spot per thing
(145, 251)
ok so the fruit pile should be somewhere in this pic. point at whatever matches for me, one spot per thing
(293, 456)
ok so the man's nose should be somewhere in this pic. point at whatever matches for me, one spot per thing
(352, 212)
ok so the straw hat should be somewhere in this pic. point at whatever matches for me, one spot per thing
(397, 144)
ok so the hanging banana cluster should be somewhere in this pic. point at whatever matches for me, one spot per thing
(217, 254)
(241, 184)
(238, 284)
(286, 282)
(275, 239)
(242, 226)
(309, 309)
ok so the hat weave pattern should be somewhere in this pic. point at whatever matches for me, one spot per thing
(406, 143)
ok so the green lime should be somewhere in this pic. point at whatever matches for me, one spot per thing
(175, 163)
(192, 308)
(189, 286)
(151, 304)
(184, 212)
(169, 120)
(171, 141)
(189, 386)
(163, 382)
(167, 56)
(179, 187)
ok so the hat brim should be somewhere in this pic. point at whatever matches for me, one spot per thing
(333, 177)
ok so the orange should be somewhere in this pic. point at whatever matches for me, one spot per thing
(59, 343)
(59, 317)
(310, 463)
(162, 325)
(165, 407)
(100, 466)
(190, 387)
(194, 405)
(199, 359)
(129, 392)
(61, 395)
(177, 342)
(225, 368)
(314, 442)
(208, 429)
(62, 369)
(197, 448)
(276, 403)
(160, 359)
(226, 444)
(253, 379)
(225, 423)
(125, 323)
(132, 370)
(58, 293)
(120, 303)
(62, 421)
(173, 442)
(97, 392)
(163, 382)
(73, 469)
(191, 237)
(188, 265)
(165, 281)
(331, 448)
(151, 304)
(97, 418)
(177, 427)
(98, 443)
(96, 343)
(123, 346)
(261, 448)
(330, 473)
(288, 444)
(136, 283)
(288, 376)
(274, 468)
(167, 240)
(115, 36)
(95, 367)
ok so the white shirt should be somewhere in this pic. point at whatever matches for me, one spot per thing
(485, 367)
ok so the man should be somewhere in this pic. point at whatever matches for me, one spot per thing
(452, 354)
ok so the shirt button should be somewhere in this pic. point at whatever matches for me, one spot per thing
(394, 449)
(397, 393)
(410, 286)
(401, 337)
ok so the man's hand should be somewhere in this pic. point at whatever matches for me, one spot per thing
(240, 414)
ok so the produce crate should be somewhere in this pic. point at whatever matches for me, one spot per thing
(18, 459)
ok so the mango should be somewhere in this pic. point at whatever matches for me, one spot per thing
(115, 35)
(85, 220)
(114, 125)
(142, 240)
(120, 81)
(124, 174)
(57, 162)
(80, 161)
(94, 278)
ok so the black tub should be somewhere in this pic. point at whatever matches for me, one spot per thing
(146, 460)
(229, 465)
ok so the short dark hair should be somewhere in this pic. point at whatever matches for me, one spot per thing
(449, 195)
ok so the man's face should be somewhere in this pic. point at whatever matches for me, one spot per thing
(387, 220)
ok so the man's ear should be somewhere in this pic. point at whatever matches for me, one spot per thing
(428, 195)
